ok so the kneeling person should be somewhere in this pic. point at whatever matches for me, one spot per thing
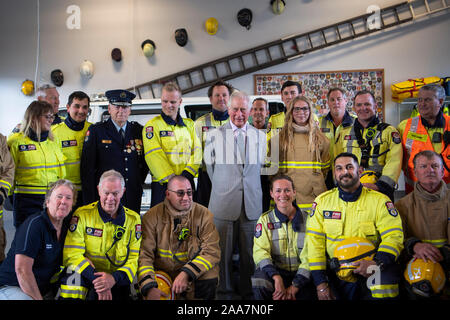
(282, 271)
(102, 246)
(179, 238)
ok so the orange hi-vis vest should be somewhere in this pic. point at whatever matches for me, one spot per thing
(416, 139)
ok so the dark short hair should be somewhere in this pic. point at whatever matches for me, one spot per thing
(80, 95)
(218, 84)
(346, 155)
(361, 92)
(429, 154)
(261, 99)
(290, 83)
(281, 177)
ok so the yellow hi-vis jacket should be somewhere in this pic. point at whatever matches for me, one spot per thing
(72, 145)
(279, 243)
(385, 149)
(327, 127)
(6, 170)
(372, 216)
(91, 236)
(38, 164)
(171, 148)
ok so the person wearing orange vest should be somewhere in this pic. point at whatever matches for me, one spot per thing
(428, 131)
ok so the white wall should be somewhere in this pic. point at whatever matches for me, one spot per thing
(411, 50)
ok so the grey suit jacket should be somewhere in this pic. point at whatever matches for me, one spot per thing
(234, 179)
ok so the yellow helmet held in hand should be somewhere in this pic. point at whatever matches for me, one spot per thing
(425, 278)
(368, 176)
(212, 25)
(349, 251)
(164, 284)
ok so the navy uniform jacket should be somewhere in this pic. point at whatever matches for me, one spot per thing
(103, 150)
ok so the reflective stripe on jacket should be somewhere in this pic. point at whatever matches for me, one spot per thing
(171, 149)
(38, 164)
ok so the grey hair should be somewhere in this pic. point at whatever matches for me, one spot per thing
(112, 175)
(59, 183)
(429, 154)
(239, 94)
(42, 90)
(438, 90)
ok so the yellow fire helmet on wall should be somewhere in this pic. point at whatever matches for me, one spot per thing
(27, 87)
(277, 6)
(425, 278)
(212, 25)
(164, 284)
(368, 176)
(349, 251)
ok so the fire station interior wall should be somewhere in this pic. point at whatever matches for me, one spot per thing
(412, 50)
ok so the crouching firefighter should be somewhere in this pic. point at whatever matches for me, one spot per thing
(101, 249)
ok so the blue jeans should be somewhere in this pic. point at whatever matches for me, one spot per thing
(13, 293)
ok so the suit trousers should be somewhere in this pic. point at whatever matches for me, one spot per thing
(236, 233)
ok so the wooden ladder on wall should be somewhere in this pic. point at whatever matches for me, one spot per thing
(289, 48)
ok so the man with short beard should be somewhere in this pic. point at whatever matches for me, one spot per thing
(352, 210)
(179, 238)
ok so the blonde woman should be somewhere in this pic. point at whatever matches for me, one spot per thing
(38, 159)
(304, 152)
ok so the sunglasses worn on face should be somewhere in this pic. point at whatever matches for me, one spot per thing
(181, 193)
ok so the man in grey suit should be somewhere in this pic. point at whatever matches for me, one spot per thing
(234, 156)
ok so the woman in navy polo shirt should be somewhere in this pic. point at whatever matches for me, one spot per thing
(36, 251)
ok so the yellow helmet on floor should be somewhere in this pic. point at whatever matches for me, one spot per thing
(368, 176)
(349, 251)
(164, 284)
(425, 278)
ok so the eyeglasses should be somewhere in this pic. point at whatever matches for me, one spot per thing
(181, 193)
(48, 116)
(298, 109)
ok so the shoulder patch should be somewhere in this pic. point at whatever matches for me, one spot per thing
(258, 230)
(149, 132)
(391, 209)
(138, 231)
(73, 223)
(396, 137)
(313, 209)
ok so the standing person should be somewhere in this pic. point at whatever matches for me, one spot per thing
(219, 94)
(304, 152)
(179, 238)
(7, 168)
(170, 144)
(115, 144)
(49, 94)
(376, 144)
(234, 156)
(352, 210)
(36, 251)
(282, 271)
(289, 90)
(332, 123)
(71, 133)
(259, 113)
(38, 159)
(101, 249)
(430, 130)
